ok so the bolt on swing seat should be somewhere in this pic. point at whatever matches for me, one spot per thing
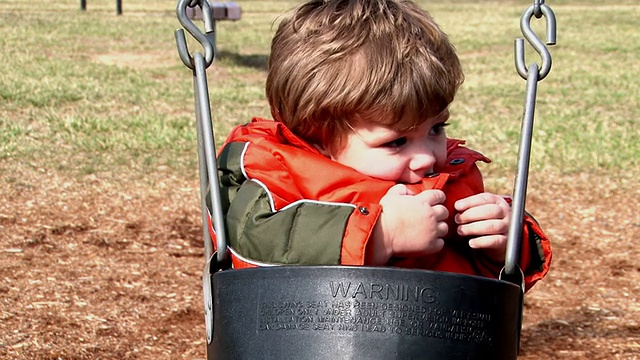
(346, 312)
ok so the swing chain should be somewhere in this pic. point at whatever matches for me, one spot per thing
(206, 40)
(525, 26)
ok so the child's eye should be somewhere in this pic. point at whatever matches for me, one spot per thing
(399, 142)
(438, 128)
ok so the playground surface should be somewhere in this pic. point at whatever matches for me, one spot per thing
(101, 250)
(124, 282)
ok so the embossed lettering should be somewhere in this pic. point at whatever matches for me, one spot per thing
(370, 291)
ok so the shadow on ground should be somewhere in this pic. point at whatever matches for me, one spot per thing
(256, 61)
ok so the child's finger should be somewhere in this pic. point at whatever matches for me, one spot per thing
(477, 200)
(442, 229)
(433, 197)
(398, 189)
(441, 212)
(482, 212)
(485, 227)
(488, 242)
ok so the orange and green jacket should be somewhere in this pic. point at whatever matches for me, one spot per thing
(285, 203)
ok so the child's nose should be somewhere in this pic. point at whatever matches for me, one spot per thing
(423, 160)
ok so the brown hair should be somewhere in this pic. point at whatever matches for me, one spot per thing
(335, 61)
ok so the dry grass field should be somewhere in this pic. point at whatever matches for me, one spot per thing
(100, 238)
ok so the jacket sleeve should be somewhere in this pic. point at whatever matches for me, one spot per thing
(269, 222)
(535, 250)
(535, 259)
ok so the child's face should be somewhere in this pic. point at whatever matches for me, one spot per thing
(387, 154)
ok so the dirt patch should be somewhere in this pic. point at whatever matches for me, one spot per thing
(98, 269)
(139, 60)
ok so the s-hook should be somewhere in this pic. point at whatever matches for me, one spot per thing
(205, 40)
(208, 169)
(532, 74)
(538, 9)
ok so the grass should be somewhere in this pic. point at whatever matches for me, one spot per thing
(95, 93)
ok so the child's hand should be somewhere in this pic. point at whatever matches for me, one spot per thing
(485, 218)
(409, 224)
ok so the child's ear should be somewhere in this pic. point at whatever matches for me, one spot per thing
(322, 150)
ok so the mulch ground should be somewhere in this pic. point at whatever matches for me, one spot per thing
(98, 269)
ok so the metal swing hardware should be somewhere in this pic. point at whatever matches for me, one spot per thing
(198, 63)
(538, 10)
(532, 74)
(288, 312)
